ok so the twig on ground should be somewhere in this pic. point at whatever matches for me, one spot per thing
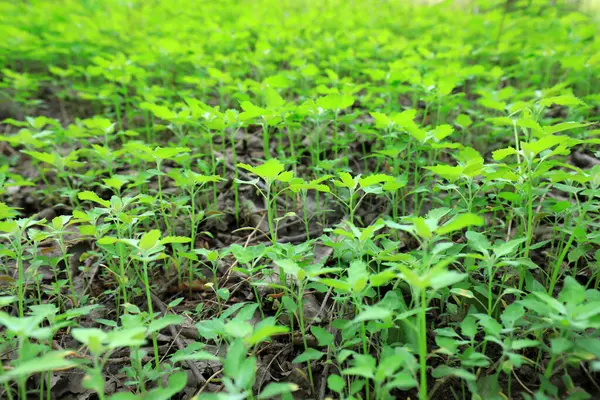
(301, 236)
(323, 386)
(207, 382)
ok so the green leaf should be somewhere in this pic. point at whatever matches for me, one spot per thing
(267, 171)
(6, 300)
(246, 374)
(149, 240)
(47, 158)
(296, 187)
(589, 345)
(382, 278)
(273, 99)
(374, 179)
(501, 154)
(195, 356)
(358, 275)
(444, 370)
(175, 239)
(160, 112)
(511, 314)
(285, 176)
(88, 335)
(560, 345)
(238, 328)
(523, 343)
(442, 279)
(382, 121)
(290, 267)
(422, 228)
(478, 242)
(507, 248)
(459, 222)
(324, 337)
(175, 384)
(346, 181)
(464, 120)
(403, 381)
(572, 292)
(335, 102)
(564, 126)
(564, 100)
(223, 293)
(447, 172)
(336, 284)
(170, 319)
(236, 353)
(48, 362)
(274, 389)
(336, 383)
(167, 153)
(492, 104)
(265, 332)
(175, 302)
(373, 313)
(107, 240)
(441, 132)
(91, 196)
(93, 380)
(308, 355)
(532, 149)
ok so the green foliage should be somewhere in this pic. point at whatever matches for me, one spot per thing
(355, 200)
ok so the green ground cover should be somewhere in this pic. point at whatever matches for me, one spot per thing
(365, 199)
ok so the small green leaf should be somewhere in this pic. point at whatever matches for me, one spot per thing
(444, 370)
(167, 153)
(175, 239)
(532, 149)
(564, 100)
(464, 120)
(374, 179)
(459, 222)
(442, 279)
(422, 228)
(43, 157)
(373, 313)
(91, 196)
(478, 242)
(501, 154)
(308, 355)
(336, 383)
(161, 323)
(267, 171)
(175, 302)
(324, 337)
(50, 361)
(149, 240)
(346, 181)
(265, 332)
(274, 389)
(564, 126)
(560, 345)
(273, 99)
(447, 172)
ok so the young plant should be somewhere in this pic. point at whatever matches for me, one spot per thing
(270, 172)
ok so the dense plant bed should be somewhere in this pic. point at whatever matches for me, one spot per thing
(299, 199)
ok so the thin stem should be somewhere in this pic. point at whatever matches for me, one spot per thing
(151, 312)
(423, 346)
(160, 198)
